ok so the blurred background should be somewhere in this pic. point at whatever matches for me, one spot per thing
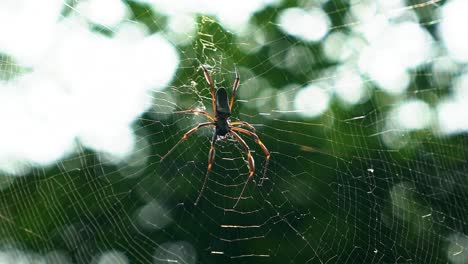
(363, 105)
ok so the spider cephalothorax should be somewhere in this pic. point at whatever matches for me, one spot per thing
(223, 127)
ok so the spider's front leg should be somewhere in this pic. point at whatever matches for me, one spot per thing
(243, 123)
(184, 137)
(212, 88)
(234, 88)
(195, 111)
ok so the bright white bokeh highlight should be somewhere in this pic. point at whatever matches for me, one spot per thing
(460, 89)
(12, 255)
(405, 117)
(334, 45)
(395, 42)
(308, 25)
(453, 110)
(452, 116)
(349, 86)
(112, 257)
(107, 13)
(453, 29)
(311, 101)
(396, 45)
(82, 87)
(285, 99)
(87, 88)
(390, 57)
(413, 115)
(27, 28)
(443, 71)
(234, 15)
(182, 28)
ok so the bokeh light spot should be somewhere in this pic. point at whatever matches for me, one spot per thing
(311, 25)
(175, 252)
(311, 101)
(413, 115)
(108, 13)
(453, 30)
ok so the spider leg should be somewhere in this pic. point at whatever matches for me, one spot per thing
(211, 157)
(234, 88)
(243, 123)
(260, 143)
(212, 88)
(184, 137)
(195, 111)
(251, 163)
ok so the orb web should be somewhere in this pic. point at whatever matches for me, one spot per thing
(364, 124)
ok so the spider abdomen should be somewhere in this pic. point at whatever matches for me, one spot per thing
(222, 104)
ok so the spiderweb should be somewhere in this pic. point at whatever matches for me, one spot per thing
(377, 178)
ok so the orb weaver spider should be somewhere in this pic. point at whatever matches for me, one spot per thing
(223, 126)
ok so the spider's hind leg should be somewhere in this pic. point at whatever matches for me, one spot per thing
(251, 164)
(262, 146)
(211, 157)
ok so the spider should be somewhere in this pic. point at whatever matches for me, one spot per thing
(223, 127)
